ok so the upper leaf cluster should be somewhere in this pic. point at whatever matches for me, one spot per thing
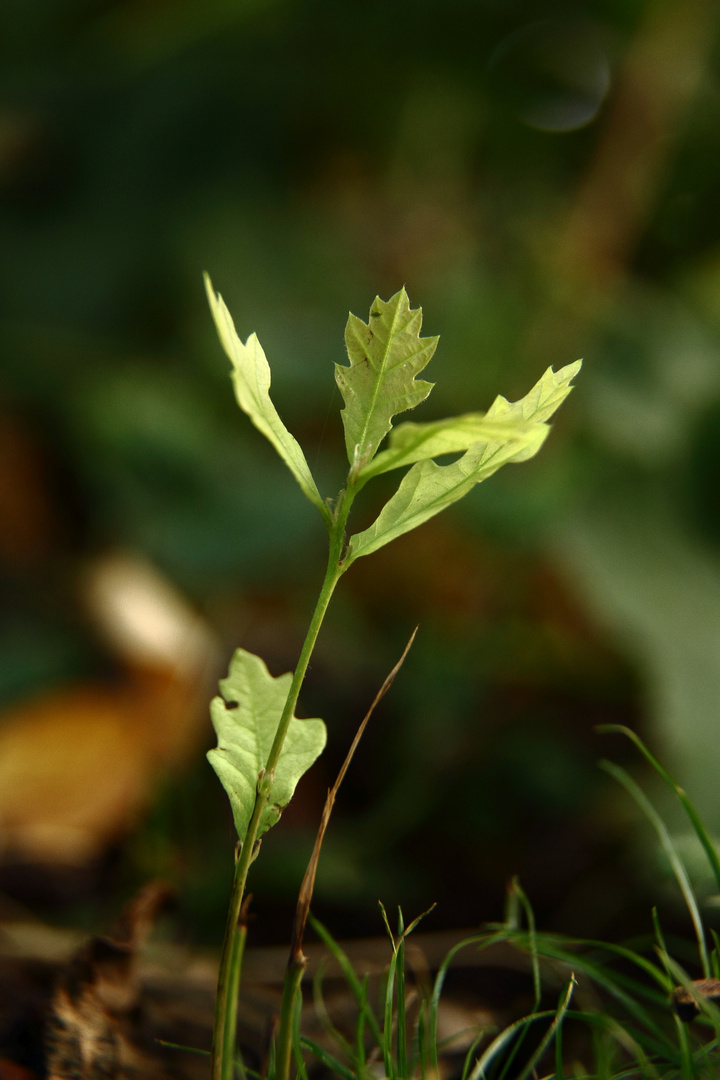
(385, 356)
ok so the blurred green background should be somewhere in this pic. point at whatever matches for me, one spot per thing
(545, 180)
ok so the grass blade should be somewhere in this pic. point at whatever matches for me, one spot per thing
(481, 941)
(671, 852)
(327, 1059)
(400, 999)
(530, 917)
(179, 1046)
(695, 820)
(387, 1039)
(555, 1026)
(471, 1054)
(503, 1039)
(360, 1028)
(350, 976)
(324, 1016)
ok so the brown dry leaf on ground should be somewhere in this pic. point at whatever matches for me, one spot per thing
(100, 1008)
(95, 1027)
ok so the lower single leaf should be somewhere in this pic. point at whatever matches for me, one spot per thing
(245, 719)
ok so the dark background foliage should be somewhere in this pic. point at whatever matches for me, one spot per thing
(544, 180)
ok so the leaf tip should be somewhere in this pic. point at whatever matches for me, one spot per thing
(209, 290)
(571, 370)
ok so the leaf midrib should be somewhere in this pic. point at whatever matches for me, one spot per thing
(444, 494)
(362, 441)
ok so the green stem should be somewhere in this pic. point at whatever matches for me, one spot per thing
(225, 1025)
(234, 972)
(291, 988)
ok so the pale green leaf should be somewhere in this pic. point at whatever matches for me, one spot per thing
(541, 402)
(386, 354)
(429, 488)
(251, 379)
(245, 719)
(503, 422)
(417, 442)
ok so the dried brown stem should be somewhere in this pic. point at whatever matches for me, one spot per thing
(308, 882)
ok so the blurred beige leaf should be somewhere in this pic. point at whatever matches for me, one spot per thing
(78, 764)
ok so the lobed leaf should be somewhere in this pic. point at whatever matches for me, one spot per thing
(411, 442)
(503, 422)
(386, 354)
(429, 488)
(542, 401)
(251, 380)
(245, 719)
